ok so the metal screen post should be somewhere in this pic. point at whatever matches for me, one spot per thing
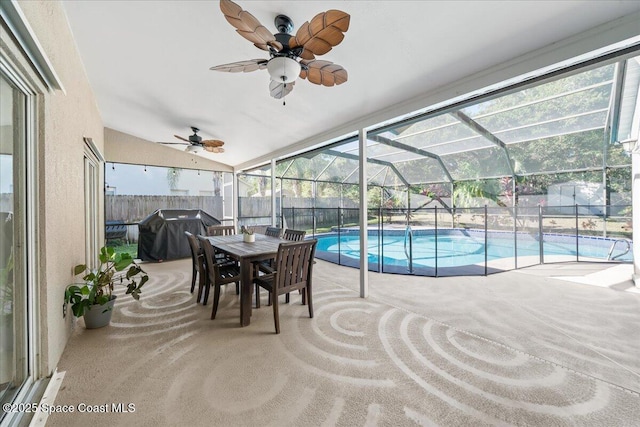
(540, 236)
(380, 238)
(435, 213)
(293, 217)
(486, 217)
(577, 249)
(281, 211)
(313, 221)
(273, 192)
(339, 237)
(515, 235)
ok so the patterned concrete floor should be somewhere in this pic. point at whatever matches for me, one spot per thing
(516, 348)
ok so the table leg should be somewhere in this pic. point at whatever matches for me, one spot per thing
(246, 292)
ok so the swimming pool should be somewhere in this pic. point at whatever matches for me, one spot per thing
(460, 251)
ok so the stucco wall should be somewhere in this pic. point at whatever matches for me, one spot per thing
(64, 118)
(124, 148)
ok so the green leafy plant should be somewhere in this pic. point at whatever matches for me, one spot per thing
(98, 285)
(246, 230)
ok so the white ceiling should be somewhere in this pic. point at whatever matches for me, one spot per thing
(148, 61)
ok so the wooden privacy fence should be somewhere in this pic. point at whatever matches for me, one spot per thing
(131, 209)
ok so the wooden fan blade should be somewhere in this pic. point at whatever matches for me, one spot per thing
(212, 143)
(279, 90)
(183, 139)
(214, 149)
(248, 26)
(242, 66)
(324, 73)
(325, 31)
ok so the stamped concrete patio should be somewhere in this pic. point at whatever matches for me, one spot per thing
(548, 345)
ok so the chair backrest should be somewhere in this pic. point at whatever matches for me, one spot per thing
(294, 265)
(207, 252)
(217, 274)
(273, 231)
(294, 235)
(194, 246)
(221, 230)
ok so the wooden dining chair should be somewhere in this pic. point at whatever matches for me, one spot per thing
(197, 261)
(293, 271)
(273, 231)
(221, 230)
(267, 265)
(218, 274)
(294, 235)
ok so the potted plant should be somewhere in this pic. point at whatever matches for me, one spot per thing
(94, 298)
(248, 234)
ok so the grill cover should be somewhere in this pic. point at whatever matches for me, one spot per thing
(161, 234)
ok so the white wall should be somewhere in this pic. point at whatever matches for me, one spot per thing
(64, 118)
(124, 148)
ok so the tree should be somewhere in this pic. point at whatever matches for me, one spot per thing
(173, 177)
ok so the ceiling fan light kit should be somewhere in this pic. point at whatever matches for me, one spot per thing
(290, 56)
(195, 149)
(283, 69)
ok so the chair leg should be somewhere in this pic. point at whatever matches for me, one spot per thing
(276, 317)
(216, 299)
(237, 288)
(202, 283)
(257, 296)
(304, 295)
(286, 298)
(206, 293)
(194, 272)
(309, 300)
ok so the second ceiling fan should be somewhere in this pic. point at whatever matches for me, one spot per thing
(291, 56)
(195, 143)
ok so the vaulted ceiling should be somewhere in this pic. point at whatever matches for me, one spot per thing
(148, 62)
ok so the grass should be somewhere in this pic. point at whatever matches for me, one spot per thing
(122, 247)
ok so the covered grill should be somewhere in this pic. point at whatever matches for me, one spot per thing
(161, 234)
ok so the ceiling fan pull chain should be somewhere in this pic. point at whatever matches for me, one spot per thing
(284, 88)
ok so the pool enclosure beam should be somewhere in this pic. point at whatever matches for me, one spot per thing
(482, 131)
(612, 128)
(635, 213)
(273, 192)
(414, 150)
(364, 203)
(374, 161)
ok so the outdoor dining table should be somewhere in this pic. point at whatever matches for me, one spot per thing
(264, 248)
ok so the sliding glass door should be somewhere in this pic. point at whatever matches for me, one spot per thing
(17, 318)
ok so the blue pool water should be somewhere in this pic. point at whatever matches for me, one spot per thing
(456, 248)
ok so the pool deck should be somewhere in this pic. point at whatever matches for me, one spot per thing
(548, 345)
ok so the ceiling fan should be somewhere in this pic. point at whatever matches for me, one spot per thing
(290, 56)
(195, 143)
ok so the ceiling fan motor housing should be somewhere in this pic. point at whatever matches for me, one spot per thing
(284, 24)
(195, 138)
